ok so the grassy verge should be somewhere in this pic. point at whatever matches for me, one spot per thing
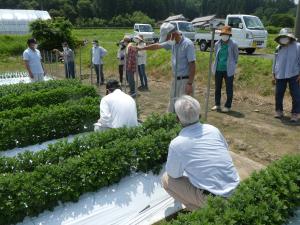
(252, 71)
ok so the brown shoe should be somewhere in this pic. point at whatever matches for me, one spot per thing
(279, 114)
(295, 117)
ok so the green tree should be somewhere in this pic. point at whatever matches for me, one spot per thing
(85, 9)
(51, 33)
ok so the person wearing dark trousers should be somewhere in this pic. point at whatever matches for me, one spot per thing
(286, 71)
(69, 58)
(227, 54)
(121, 57)
(142, 57)
(98, 53)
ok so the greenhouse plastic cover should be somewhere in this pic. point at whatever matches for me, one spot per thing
(17, 21)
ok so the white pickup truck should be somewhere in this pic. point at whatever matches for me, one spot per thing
(186, 28)
(146, 31)
(247, 31)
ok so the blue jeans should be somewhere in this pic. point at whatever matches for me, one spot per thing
(70, 70)
(143, 75)
(131, 82)
(220, 75)
(294, 86)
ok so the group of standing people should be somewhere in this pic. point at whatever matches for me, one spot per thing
(132, 61)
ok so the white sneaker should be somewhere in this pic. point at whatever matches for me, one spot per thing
(216, 108)
(225, 110)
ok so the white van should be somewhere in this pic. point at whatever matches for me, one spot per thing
(146, 30)
(186, 28)
(247, 31)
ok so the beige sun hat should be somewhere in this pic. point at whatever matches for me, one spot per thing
(285, 32)
(140, 37)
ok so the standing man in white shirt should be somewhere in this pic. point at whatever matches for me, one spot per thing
(117, 109)
(198, 161)
(98, 53)
(32, 58)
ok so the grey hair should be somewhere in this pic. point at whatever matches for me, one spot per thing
(188, 110)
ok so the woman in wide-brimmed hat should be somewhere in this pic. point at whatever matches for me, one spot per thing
(286, 70)
(227, 54)
(142, 59)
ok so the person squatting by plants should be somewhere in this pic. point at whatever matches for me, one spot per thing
(117, 109)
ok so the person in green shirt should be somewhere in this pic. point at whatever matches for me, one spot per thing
(227, 54)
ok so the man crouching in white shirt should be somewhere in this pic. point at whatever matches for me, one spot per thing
(117, 109)
(198, 162)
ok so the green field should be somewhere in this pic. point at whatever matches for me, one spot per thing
(254, 73)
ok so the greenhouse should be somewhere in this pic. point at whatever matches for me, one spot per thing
(17, 21)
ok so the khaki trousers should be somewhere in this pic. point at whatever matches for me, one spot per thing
(182, 190)
(180, 90)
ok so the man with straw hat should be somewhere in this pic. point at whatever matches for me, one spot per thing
(227, 54)
(183, 61)
(286, 70)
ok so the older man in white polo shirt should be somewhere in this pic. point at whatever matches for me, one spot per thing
(117, 109)
(32, 58)
(198, 162)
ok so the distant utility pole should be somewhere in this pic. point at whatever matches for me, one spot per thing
(297, 26)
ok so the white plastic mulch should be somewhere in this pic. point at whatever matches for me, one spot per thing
(137, 199)
(17, 80)
(35, 148)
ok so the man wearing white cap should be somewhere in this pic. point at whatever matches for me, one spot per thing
(183, 61)
(286, 70)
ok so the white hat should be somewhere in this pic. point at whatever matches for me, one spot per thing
(140, 37)
(165, 29)
(285, 32)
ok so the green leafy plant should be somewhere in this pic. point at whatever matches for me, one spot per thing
(29, 193)
(62, 150)
(48, 123)
(46, 97)
(267, 198)
(23, 88)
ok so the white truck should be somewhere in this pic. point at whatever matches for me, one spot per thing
(186, 28)
(146, 31)
(247, 31)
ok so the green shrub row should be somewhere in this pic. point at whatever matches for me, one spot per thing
(22, 88)
(30, 193)
(53, 122)
(62, 150)
(46, 97)
(266, 198)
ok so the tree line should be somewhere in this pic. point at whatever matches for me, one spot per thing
(77, 10)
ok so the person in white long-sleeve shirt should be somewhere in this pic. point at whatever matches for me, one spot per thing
(117, 109)
(199, 163)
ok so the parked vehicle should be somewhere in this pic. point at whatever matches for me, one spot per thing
(186, 28)
(247, 31)
(147, 31)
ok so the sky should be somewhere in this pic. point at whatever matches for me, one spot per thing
(296, 1)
